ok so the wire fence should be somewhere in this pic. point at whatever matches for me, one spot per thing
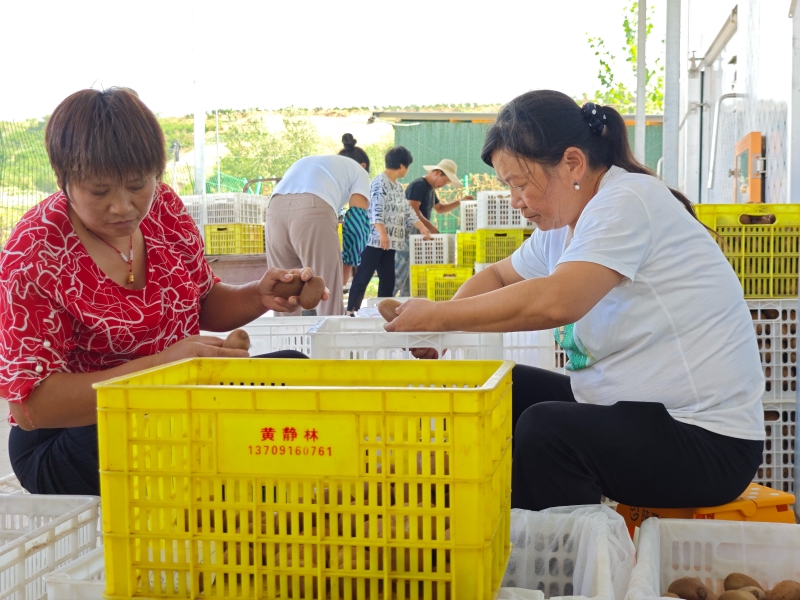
(25, 174)
(26, 178)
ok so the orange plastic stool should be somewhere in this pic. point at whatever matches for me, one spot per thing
(757, 503)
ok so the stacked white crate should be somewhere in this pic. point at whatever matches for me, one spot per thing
(439, 250)
(226, 209)
(775, 323)
(495, 212)
(469, 216)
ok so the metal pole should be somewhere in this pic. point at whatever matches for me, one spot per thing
(641, 80)
(199, 148)
(794, 197)
(219, 186)
(672, 66)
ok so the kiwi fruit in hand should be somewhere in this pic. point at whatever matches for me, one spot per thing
(237, 340)
(388, 309)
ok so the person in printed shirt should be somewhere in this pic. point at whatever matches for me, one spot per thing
(662, 402)
(390, 216)
(104, 278)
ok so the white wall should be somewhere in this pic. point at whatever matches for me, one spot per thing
(762, 46)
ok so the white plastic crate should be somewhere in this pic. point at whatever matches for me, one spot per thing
(38, 534)
(531, 348)
(195, 206)
(226, 209)
(495, 212)
(579, 552)
(11, 485)
(710, 550)
(775, 323)
(439, 250)
(237, 207)
(365, 338)
(270, 334)
(777, 465)
(469, 215)
(82, 579)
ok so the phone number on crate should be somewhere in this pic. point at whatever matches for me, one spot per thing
(291, 450)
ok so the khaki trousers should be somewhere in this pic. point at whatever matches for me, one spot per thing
(301, 231)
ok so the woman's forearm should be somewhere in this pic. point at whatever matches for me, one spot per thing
(68, 399)
(493, 277)
(523, 306)
(481, 283)
(228, 306)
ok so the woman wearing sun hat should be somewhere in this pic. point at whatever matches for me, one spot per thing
(421, 194)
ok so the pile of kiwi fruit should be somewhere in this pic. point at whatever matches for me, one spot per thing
(738, 586)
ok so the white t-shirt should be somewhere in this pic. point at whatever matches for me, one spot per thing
(676, 330)
(332, 178)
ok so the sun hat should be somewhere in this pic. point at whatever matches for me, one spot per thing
(448, 167)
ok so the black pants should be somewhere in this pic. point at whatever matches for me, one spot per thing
(372, 259)
(66, 461)
(566, 453)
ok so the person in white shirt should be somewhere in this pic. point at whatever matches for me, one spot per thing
(302, 217)
(662, 404)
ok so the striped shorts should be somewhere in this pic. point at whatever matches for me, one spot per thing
(355, 231)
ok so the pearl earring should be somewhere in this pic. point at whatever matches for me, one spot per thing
(576, 186)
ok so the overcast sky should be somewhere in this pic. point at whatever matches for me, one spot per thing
(181, 54)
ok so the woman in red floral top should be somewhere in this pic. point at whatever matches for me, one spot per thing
(104, 278)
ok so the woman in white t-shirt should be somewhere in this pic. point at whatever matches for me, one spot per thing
(662, 405)
(303, 216)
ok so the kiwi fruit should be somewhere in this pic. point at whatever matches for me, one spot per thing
(735, 581)
(388, 309)
(756, 591)
(785, 590)
(689, 588)
(237, 340)
(736, 595)
(312, 292)
(287, 289)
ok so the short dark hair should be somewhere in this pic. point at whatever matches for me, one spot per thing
(106, 133)
(398, 157)
(350, 150)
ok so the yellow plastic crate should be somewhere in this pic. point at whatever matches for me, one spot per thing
(419, 278)
(763, 255)
(254, 478)
(466, 245)
(443, 283)
(494, 245)
(238, 238)
(341, 242)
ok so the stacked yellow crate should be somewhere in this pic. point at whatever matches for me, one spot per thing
(500, 228)
(762, 245)
(434, 274)
(231, 223)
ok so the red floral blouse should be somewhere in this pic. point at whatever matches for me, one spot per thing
(60, 313)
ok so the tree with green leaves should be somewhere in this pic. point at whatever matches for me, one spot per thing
(257, 152)
(617, 75)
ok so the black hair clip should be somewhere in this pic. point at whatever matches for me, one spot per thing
(595, 116)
